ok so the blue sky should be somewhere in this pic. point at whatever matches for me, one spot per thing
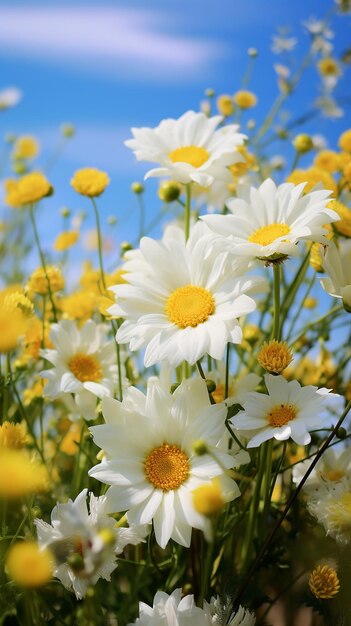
(108, 66)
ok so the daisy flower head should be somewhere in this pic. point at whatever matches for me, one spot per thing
(330, 504)
(173, 610)
(333, 466)
(84, 541)
(183, 300)
(337, 265)
(287, 411)
(151, 462)
(83, 364)
(267, 222)
(189, 149)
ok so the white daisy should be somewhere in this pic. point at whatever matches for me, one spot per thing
(150, 461)
(173, 610)
(189, 149)
(84, 543)
(337, 264)
(268, 222)
(183, 300)
(84, 361)
(333, 465)
(288, 410)
(330, 504)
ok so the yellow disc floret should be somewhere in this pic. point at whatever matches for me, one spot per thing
(90, 182)
(267, 234)
(85, 367)
(167, 467)
(274, 356)
(324, 582)
(39, 279)
(281, 414)
(28, 565)
(193, 155)
(189, 306)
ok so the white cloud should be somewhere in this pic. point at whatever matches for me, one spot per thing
(108, 40)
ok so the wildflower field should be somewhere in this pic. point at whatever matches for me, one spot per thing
(175, 426)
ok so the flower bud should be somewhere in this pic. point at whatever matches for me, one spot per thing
(137, 188)
(169, 191)
(303, 143)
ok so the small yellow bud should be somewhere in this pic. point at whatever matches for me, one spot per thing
(112, 220)
(303, 143)
(225, 105)
(324, 582)
(169, 191)
(211, 385)
(68, 130)
(274, 356)
(210, 93)
(245, 99)
(19, 168)
(200, 447)
(310, 303)
(125, 247)
(252, 52)
(137, 188)
(65, 211)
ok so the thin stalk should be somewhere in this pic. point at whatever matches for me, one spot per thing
(98, 229)
(226, 388)
(187, 210)
(276, 296)
(42, 259)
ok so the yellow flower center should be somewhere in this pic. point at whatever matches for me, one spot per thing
(281, 415)
(333, 475)
(189, 306)
(194, 155)
(267, 234)
(85, 367)
(167, 467)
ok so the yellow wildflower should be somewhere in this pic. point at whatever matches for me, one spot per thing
(328, 160)
(313, 176)
(324, 582)
(343, 226)
(13, 324)
(66, 240)
(329, 67)
(345, 140)
(274, 356)
(225, 105)
(245, 99)
(79, 305)
(38, 280)
(28, 565)
(90, 182)
(12, 197)
(34, 392)
(33, 187)
(70, 440)
(28, 476)
(12, 435)
(33, 340)
(25, 147)
(310, 303)
(18, 300)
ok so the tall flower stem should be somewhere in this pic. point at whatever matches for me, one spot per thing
(42, 259)
(276, 296)
(103, 283)
(187, 210)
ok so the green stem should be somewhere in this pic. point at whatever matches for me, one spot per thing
(98, 230)
(276, 295)
(42, 259)
(187, 210)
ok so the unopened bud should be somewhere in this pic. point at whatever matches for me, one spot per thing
(200, 447)
(303, 143)
(65, 211)
(112, 220)
(125, 247)
(137, 188)
(341, 433)
(210, 93)
(211, 385)
(68, 130)
(169, 191)
(252, 52)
